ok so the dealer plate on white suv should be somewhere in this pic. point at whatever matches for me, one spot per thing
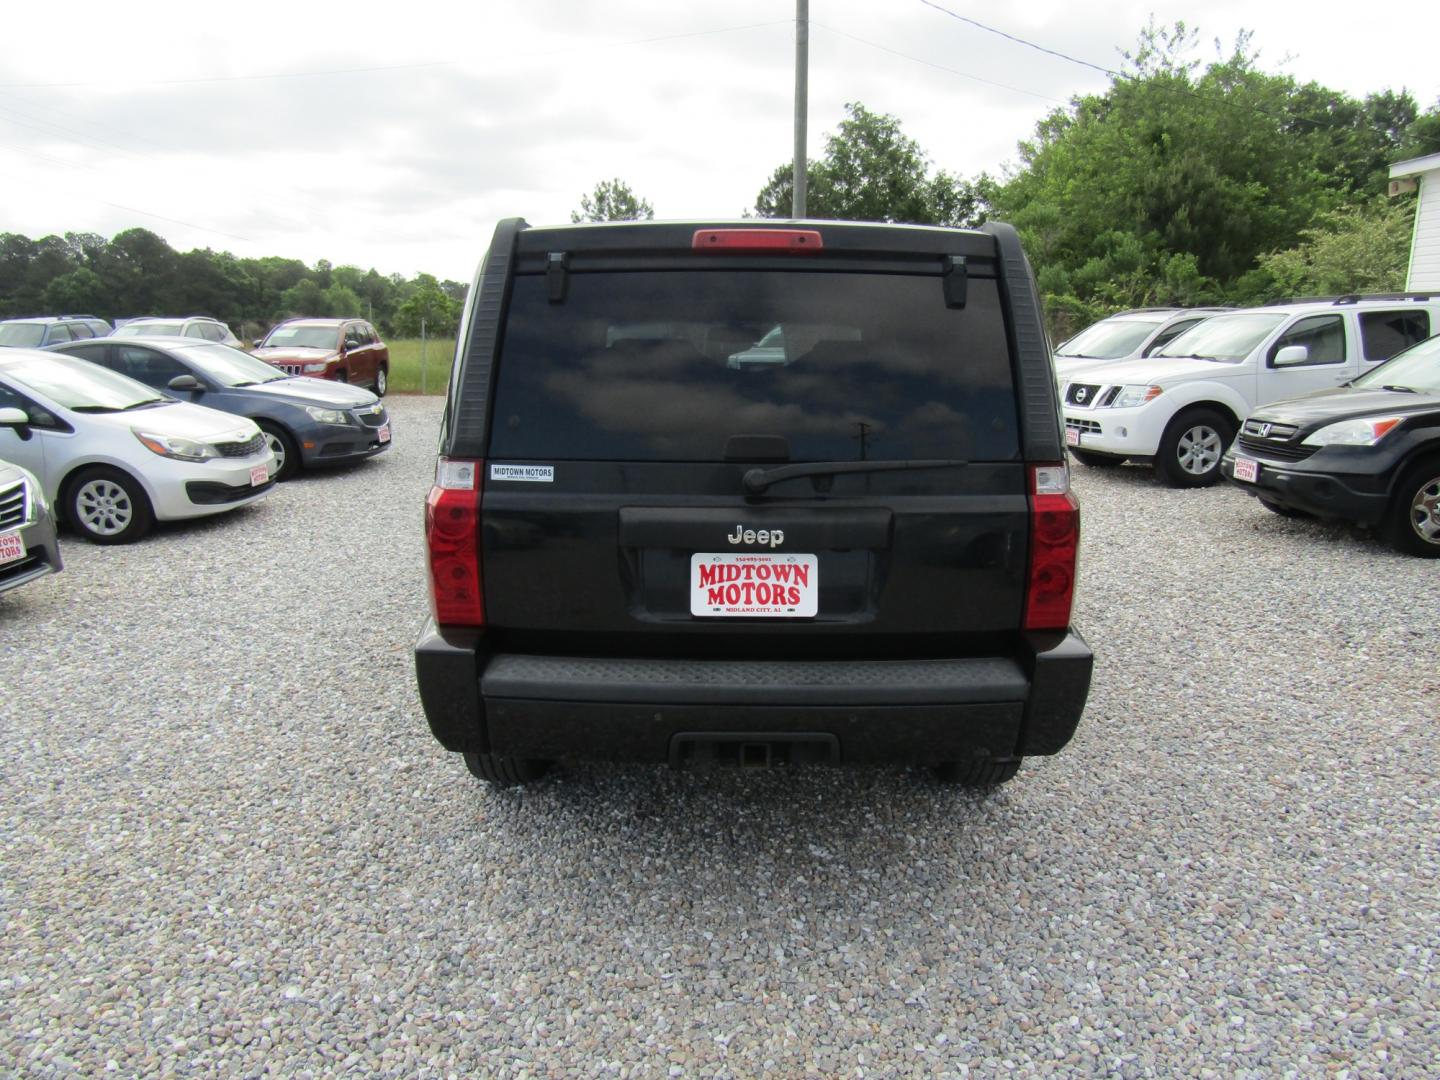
(759, 585)
(1246, 469)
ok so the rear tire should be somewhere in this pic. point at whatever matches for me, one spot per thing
(1191, 448)
(1413, 524)
(107, 506)
(982, 773)
(504, 772)
(382, 382)
(1096, 461)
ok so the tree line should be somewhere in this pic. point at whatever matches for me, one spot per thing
(138, 273)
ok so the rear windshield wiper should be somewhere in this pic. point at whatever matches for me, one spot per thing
(757, 480)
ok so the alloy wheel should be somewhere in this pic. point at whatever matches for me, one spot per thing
(104, 507)
(1199, 449)
(277, 447)
(1425, 511)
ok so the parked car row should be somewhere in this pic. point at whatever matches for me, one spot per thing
(1330, 420)
(341, 350)
(119, 433)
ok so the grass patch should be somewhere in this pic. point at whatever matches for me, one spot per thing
(406, 373)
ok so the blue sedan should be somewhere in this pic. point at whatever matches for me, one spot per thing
(307, 422)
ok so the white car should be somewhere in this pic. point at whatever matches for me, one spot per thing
(115, 456)
(1126, 336)
(1182, 406)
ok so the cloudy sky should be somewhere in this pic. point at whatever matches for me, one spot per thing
(395, 135)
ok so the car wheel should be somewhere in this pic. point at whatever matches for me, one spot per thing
(282, 445)
(1191, 448)
(382, 382)
(1096, 461)
(979, 773)
(342, 376)
(1414, 523)
(107, 506)
(504, 772)
(1283, 511)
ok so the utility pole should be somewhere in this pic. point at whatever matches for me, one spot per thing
(802, 79)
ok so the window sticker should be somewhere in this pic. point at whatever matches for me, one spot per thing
(543, 474)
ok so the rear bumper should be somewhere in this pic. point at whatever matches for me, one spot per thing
(626, 709)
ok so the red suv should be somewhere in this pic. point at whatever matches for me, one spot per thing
(346, 350)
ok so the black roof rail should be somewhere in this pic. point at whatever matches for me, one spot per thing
(1355, 298)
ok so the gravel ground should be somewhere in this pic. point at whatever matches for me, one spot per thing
(230, 846)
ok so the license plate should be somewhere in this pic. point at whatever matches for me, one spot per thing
(1072, 436)
(384, 433)
(1245, 469)
(258, 475)
(767, 586)
(11, 547)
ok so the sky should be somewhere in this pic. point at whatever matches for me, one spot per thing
(394, 136)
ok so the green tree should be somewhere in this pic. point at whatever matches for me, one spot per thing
(1364, 248)
(304, 298)
(612, 200)
(430, 304)
(873, 171)
(1170, 185)
(79, 292)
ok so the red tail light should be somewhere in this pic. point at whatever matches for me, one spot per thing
(452, 538)
(757, 240)
(1054, 548)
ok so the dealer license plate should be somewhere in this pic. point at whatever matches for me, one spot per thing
(1072, 436)
(384, 433)
(11, 548)
(1248, 470)
(760, 585)
(258, 475)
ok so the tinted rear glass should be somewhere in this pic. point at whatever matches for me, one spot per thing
(648, 366)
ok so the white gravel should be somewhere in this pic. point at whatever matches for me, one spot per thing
(231, 847)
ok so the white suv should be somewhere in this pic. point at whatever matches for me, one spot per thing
(1182, 405)
(1126, 336)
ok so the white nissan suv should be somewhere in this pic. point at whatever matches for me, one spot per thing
(1181, 406)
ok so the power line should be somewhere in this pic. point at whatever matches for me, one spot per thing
(930, 64)
(1019, 40)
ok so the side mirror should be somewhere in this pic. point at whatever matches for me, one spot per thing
(1291, 355)
(257, 343)
(18, 419)
(186, 382)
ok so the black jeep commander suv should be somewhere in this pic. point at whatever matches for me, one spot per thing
(752, 494)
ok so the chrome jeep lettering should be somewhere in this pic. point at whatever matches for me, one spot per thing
(764, 537)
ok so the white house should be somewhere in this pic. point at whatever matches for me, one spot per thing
(1423, 173)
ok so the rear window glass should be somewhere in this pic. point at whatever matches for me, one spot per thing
(646, 366)
(1385, 333)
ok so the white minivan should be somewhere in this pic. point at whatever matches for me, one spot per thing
(1181, 406)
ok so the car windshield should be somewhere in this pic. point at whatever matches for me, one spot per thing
(231, 367)
(1227, 338)
(302, 337)
(1109, 339)
(78, 384)
(22, 334)
(141, 329)
(1417, 368)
